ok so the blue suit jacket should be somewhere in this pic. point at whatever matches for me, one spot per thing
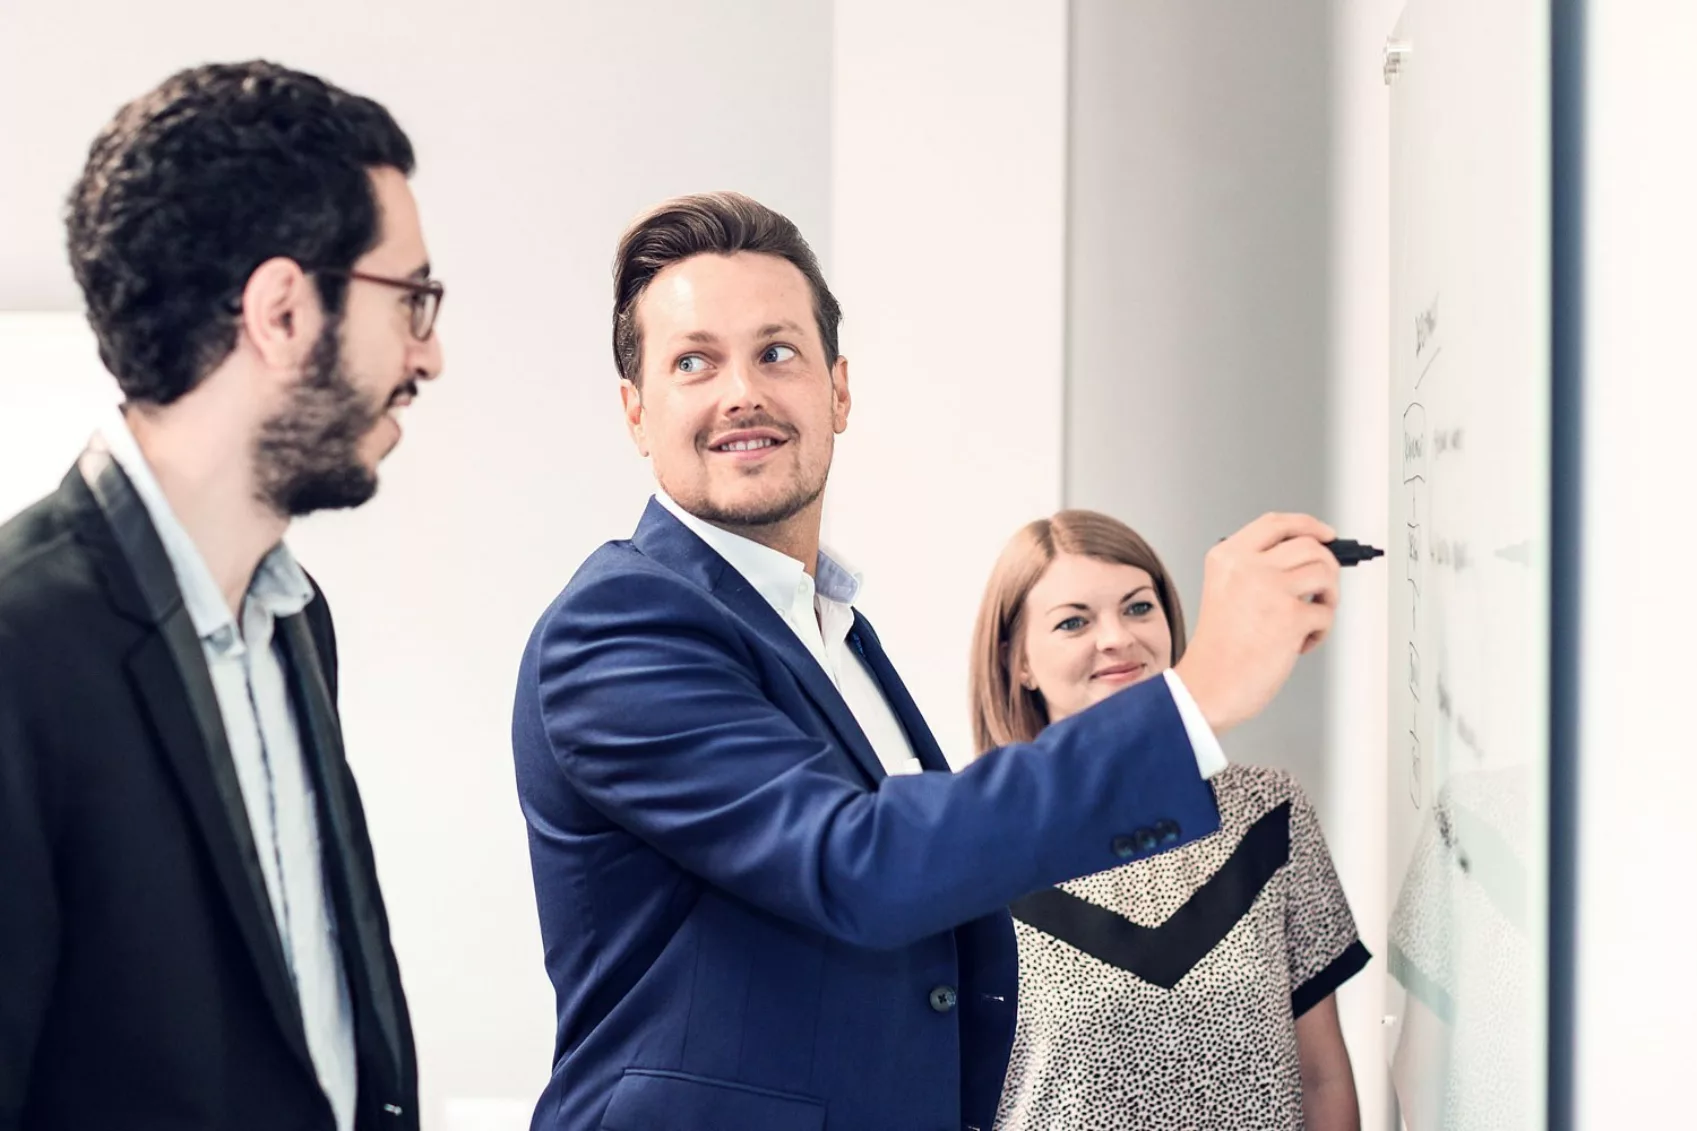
(748, 926)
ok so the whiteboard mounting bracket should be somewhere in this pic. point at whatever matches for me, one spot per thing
(1396, 51)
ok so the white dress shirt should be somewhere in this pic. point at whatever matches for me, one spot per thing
(822, 614)
(259, 722)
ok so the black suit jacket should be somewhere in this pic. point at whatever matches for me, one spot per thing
(142, 980)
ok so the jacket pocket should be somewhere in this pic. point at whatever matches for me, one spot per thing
(651, 1100)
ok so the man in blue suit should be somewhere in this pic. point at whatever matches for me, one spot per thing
(766, 904)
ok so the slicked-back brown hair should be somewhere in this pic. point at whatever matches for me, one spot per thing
(1003, 710)
(710, 223)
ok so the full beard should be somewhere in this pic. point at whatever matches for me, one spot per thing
(307, 455)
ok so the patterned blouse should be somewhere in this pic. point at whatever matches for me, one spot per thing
(1164, 993)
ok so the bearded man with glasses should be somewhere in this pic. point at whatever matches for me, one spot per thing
(193, 933)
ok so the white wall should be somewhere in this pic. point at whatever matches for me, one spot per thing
(53, 390)
(1197, 292)
(1636, 999)
(541, 129)
(948, 224)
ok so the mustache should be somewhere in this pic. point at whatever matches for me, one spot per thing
(407, 388)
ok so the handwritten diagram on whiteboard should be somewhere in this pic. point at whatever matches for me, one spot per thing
(1469, 515)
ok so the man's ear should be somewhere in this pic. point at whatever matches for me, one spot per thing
(841, 402)
(631, 395)
(281, 313)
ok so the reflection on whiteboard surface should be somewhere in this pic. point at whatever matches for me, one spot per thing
(1469, 619)
(54, 393)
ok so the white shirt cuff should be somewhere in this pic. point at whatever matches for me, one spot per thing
(1210, 759)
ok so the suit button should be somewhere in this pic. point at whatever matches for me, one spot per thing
(943, 998)
(1166, 832)
(1124, 847)
(1145, 840)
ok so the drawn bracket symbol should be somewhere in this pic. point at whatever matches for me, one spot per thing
(1414, 442)
(1414, 768)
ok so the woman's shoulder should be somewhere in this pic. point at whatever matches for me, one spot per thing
(1247, 793)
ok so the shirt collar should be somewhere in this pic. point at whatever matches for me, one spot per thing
(775, 575)
(279, 585)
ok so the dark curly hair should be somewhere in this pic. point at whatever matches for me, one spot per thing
(194, 185)
(709, 223)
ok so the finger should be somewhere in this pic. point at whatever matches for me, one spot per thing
(1320, 623)
(1295, 553)
(1271, 529)
(1316, 582)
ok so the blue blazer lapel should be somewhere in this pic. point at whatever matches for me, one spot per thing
(662, 537)
(868, 647)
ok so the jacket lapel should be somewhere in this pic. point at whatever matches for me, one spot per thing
(744, 600)
(175, 691)
(665, 539)
(868, 647)
(321, 735)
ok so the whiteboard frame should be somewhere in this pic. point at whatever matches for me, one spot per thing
(1567, 408)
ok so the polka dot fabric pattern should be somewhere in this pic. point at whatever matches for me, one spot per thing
(1099, 1048)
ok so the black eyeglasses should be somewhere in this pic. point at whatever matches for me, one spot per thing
(424, 298)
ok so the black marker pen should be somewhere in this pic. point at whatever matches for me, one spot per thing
(1349, 552)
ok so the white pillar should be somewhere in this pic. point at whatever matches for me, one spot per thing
(948, 253)
(1636, 1001)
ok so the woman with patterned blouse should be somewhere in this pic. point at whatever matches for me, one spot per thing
(1191, 989)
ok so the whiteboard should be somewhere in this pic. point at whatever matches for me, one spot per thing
(1469, 606)
(54, 393)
